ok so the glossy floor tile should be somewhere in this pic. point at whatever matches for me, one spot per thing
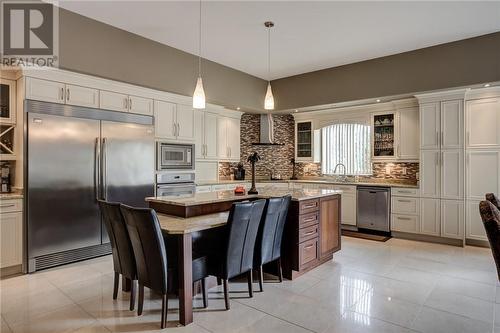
(396, 286)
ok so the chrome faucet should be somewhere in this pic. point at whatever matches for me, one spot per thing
(343, 176)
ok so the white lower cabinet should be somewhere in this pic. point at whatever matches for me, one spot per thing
(474, 228)
(452, 219)
(11, 233)
(405, 223)
(430, 218)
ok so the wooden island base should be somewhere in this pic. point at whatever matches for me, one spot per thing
(312, 235)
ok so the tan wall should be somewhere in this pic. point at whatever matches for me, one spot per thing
(94, 48)
(470, 61)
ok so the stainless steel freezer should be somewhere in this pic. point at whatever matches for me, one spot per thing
(74, 156)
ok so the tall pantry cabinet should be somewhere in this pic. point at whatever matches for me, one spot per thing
(442, 164)
(482, 150)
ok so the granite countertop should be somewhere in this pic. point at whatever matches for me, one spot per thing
(381, 183)
(224, 196)
(177, 225)
(15, 194)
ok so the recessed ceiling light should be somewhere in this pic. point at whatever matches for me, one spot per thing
(486, 85)
(238, 108)
(378, 101)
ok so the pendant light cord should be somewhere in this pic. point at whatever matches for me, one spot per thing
(269, 54)
(199, 46)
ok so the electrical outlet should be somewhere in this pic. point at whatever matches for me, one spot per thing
(405, 171)
(388, 169)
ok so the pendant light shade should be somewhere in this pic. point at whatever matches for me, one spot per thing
(199, 95)
(199, 92)
(269, 99)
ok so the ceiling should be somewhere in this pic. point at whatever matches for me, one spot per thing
(308, 36)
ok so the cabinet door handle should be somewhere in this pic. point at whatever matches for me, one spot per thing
(67, 94)
(438, 138)
(468, 139)
(178, 129)
(206, 150)
(442, 138)
(62, 94)
(7, 206)
(125, 103)
(130, 103)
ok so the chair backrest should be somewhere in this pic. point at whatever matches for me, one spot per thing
(491, 197)
(149, 247)
(243, 225)
(121, 247)
(268, 244)
(491, 220)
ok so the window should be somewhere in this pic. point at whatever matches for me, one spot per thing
(348, 144)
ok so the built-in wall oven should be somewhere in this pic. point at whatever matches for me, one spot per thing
(174, 156)
(175, 183)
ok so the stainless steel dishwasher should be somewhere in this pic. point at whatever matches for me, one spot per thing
(374, 208)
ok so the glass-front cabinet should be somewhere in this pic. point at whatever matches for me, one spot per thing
(384, 136)
(7, 118)
(304, 138)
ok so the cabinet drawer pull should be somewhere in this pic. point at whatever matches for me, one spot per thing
(404, 200)
(7, 206)
(404, 218)
(308, 247)
(399, 191)
(310, 219)
(309, 233)
(309, 206)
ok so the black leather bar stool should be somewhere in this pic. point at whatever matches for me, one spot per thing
(268, 243)
(490, 215)
(491, 197)
(121, 247)
(151, 256)
(235, 256)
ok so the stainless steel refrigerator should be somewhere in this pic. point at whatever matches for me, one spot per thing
(74, 156)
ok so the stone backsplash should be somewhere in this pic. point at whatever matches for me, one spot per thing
(278, 158)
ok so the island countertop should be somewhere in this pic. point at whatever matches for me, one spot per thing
(228, 196)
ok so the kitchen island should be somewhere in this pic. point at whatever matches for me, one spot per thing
(311, 236)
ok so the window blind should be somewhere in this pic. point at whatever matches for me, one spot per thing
(348, 144)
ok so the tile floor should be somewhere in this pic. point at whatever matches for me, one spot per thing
(397, 286)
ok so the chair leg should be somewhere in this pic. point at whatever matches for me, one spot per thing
(280, 270)
(250, 283)
(115, 285)
(140, 303)
(132, 295)
(204, 293)
(226, 294)
(261, 278)
(164, 310)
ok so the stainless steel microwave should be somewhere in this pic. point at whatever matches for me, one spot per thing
(171, 156)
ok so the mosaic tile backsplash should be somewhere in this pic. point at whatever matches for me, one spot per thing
(278, 158)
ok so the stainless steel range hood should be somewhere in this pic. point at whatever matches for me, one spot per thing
(266, 131)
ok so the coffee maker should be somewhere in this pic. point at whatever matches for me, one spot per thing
(5, 183)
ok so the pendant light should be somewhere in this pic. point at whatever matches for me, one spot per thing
(199, 93)
(269, 99)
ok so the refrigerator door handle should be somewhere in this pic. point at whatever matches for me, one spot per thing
(97, 163)
(104, 184)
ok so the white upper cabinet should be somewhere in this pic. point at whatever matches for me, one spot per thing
(174, 122)
(228, 138)
(44, 90)
(483, 123)
(430, 173)
(483, 173)
(185, 122)
(82, 96)
(110, 100)
(205, 130)
(452, 174)
(165, 120)
(140, 105)
(233, 138)
(429, 125)
(408, 134)
(452, 124)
